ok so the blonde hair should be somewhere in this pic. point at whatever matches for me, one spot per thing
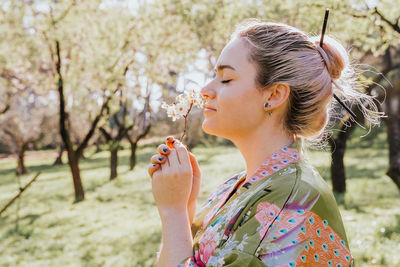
(284, 54)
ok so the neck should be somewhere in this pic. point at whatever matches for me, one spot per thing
(256, 146)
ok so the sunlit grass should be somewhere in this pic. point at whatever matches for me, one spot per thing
(118, 224)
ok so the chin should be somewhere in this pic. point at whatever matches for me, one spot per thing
(213, 129)
(208, 129)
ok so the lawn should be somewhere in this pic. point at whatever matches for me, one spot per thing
(118, 224)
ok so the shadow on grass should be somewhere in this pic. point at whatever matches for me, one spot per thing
(8, 174)
(97, 161)
(23, 231)
(391, 229)
(148, 255)
(31, 218)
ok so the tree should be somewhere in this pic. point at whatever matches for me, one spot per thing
(86, 78)
(22, 125)
(24, 76)
(379, 41)
(117, 131)
(162, 54)
(142, 126)
(349, 22)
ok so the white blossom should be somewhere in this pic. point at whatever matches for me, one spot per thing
(180, 108)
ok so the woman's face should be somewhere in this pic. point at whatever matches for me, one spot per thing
(232, 93)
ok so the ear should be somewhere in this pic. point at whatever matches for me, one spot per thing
(277, 95)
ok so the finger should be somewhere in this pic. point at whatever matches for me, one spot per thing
(195, 164)
(174, 162)
(163, 149)
(158, 159)
(153, 168)
(170, 141)
(182, 153)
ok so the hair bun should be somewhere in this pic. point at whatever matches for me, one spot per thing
(334, 56)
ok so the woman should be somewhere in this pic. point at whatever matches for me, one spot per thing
(272, 91)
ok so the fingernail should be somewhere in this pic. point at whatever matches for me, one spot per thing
(165, 149)
(160, 158)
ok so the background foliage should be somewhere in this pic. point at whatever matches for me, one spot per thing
(118, 61)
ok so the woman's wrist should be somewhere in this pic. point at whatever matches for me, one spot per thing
(167, 213)
(177, 239)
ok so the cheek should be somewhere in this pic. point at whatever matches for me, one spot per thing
(240, 107)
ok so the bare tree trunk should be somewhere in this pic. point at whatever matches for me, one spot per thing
(76, 176)
(133, 142)
(97, 144)
(74, 155)
(338, 148)
(58, 160)
(73, 158)
(113, 163)
(21, 163)
(132, 158)
(392, 106)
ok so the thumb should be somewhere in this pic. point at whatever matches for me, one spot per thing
(195, 165)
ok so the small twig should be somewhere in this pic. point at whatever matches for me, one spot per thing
(184, 130)
(21, 190)
(18, 205)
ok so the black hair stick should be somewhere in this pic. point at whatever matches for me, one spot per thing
(324, 27)
(320, 44)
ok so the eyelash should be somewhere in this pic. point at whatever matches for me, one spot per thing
(226, 81)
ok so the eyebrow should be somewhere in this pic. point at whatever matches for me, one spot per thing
(222, 67)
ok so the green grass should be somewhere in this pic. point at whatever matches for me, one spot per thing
(118, 224)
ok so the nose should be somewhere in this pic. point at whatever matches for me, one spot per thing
(207, 92)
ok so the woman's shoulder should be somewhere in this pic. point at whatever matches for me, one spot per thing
(309, 220)
(312, 187)
(299, 193)
(313, 196)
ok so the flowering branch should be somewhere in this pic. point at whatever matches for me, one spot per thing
(182, 106)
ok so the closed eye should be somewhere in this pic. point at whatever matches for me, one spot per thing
(226, 81)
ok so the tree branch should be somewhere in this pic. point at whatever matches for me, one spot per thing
(62, 16)
(395, 27)
(144, 133)
(21, 190)
(105, 133)
(92, 129)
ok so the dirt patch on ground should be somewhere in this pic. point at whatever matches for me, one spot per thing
(30, 155)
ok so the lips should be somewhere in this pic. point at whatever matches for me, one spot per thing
(208, 107)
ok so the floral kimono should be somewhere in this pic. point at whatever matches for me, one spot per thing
(282, 215)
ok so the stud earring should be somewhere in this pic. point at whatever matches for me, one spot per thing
(267, 105)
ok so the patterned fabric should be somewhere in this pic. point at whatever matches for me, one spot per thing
(282, 215)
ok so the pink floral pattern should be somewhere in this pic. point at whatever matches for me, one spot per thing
(277, 161)
(207, 244)
(208, 238)
(265, 215)
(221, 196)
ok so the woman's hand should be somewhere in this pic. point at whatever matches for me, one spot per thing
(172, 181)
(172, 177)
(161, 158)
(195, 187)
